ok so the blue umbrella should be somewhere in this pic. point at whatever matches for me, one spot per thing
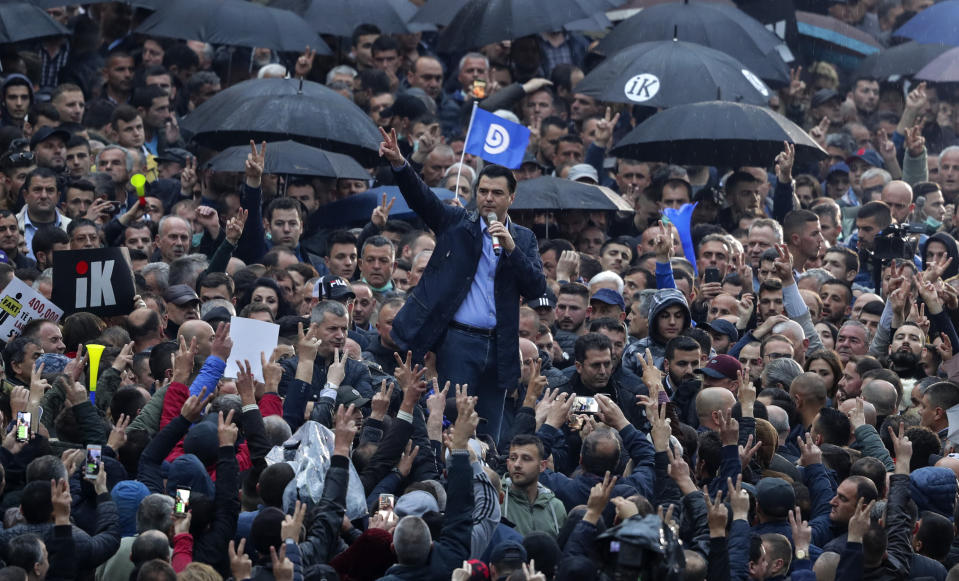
(356, 210)
(938, 23)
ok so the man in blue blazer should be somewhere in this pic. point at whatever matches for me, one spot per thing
(465, 307)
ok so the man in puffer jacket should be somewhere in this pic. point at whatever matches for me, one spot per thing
(934, 488)
(668, 318)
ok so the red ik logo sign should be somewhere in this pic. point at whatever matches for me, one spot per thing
(94, 290)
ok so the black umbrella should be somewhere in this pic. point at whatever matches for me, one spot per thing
(659, 74)
(442, 12)
(550, 193)
(482, 22)
(279, 109)
(290, 157)
(341, 17)
(718, 133)
(20, 21)
(724, 28)
(235, 23)
(904, 60)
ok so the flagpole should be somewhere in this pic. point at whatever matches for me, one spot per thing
(459, 167)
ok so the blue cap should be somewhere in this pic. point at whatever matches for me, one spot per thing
(508, 552)
(610, 297)
(838, 167)
(869, 156)
(726, 328)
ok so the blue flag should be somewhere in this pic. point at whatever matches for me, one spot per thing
(496, 140)
(681, 219)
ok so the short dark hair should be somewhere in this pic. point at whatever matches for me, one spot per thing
(25, 550)
(82, 184)
(849, 256)
(590, 342)
(843, 284)
(936, 533)
(35, 504)
(378, 242)
(873, 469)
(181, 56)
(127, 400)
(529, 440)
(40, 172)
(944, 394)
(160, 359)
(144, 96)
(834, 426)
(498, 171)
(739, 177)
(574, 288)
(865, 488)
(364, 30)
(606, 323)
(339, 237)
(272, 483)
(592, 460)
(16, 350)
(215, 279)
(681, 343)
(794, 221)
(878, 210)
(925, 443)
(700, 336)
(284, 203)
(384, 43)
(124, 113)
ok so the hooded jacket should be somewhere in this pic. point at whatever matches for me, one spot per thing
(933, 488)
(655, 342)
(952, 249)
(10, 80)
(547, 513)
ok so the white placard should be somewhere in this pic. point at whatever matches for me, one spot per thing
(20, 304)
(250, 337)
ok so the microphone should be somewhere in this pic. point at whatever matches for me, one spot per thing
(497, 249)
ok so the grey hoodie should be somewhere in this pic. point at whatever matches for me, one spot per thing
(655, 342)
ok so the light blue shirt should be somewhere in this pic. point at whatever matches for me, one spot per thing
(478, 309)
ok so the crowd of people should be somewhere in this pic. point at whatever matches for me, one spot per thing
(768, 394)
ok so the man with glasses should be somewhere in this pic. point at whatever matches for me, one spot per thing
(776, 347)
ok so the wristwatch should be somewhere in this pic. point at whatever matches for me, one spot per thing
(802, 554)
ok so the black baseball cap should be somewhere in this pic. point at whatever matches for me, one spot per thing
(333, 288)
(45, 133)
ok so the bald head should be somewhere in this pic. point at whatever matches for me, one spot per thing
(868, 410)
(950, 463)
(203, 332)
(711, 400)
(863, 300)
(809, 390)
(353, 350)
(898, 195)
(882, 395)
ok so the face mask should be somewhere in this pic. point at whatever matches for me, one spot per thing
(932, 222)
(197, 238)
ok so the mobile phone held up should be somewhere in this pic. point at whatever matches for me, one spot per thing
(23, 426)
(91, 468)
(181, 504)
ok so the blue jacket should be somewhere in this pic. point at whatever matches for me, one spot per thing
(423, 320)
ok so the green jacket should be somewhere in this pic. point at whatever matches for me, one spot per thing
(547, 513)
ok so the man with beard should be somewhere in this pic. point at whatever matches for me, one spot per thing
(906, 349)
(527, 504)
(682, 358)
(592, 374)
(572, 310)
(49, 146)
(836, 296)
(668, 317)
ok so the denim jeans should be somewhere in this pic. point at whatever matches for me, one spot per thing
(470, 358)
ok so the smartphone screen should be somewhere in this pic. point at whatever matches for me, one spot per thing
(585, 405)
(479, 89)
(712, 275)
(92, 467)
(23, 426)
(387, 502)
(182, 501)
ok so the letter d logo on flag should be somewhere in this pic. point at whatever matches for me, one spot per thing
(495, 139)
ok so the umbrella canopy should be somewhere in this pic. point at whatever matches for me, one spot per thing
(290, 157)
(718, 133)
(942, 69)
(442, 12)
(827, 38)
(279, 109)
(904, 60)
(718, 26)
(657, 74)
(936, 23)
(235, 23)
(356, 209)
(341, 17)
(482, 22)
(550, 193)
(21, 21)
